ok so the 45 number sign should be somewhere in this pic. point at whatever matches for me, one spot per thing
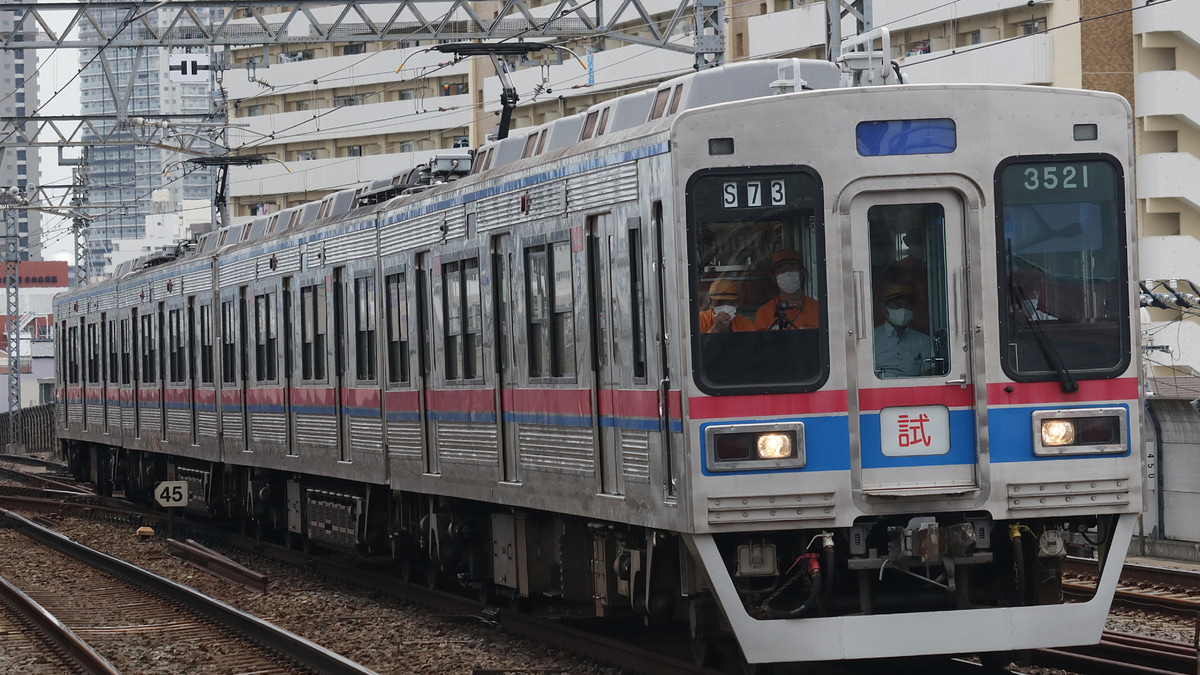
(171, 493)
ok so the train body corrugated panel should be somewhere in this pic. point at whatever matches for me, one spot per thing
(149, 422)
(316, 430)
(635, 455)
(351, 247)
(232, 425)
(237, 272)
(366, 434)
(561, 449)
(467, 443)
(167, 287)
(197, 281)
(179, 422)
(95, 418)
(287, 261)
(404, 438)
(107, 301)
(206, 423)
(423, 231)
(268, 427)
(135, 294)
(596, 189)
(545, 200)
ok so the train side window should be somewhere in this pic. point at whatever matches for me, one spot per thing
(93, 355)
(206, 344)
(72, 355)
(266, 338)
(541, 141)
(365, 357)
(114, 360)
(551, 303)
(149, 349)
(530, 144)
(397, 329)
(228, 342)
(603, 121)
(313, 330)
(637, 303)
(464, 324)
(176, 356)
(126, 351)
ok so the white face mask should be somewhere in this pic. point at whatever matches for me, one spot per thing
(789, 282)
(899, 317)
(725, 309)
(1031, 305)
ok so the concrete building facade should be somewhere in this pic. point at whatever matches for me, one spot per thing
(19, 167)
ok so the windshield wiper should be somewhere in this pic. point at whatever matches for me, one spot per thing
(1049, 351)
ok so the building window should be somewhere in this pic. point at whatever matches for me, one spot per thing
(358, 48)
(551, 306)
(354, 151)
(305, 155)
(254, 111)
(296, 56)
(464, 320)
(301, 105)
(453, 88)
(353, 99)
(404, 95)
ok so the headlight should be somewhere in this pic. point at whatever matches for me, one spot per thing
(774, 446)
(1085, 431)
(754, 446)
(1056, 432)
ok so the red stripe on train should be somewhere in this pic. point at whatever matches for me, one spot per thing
(550, 401)
(303, 396)
(264, 396)
(402, 400)
(628, 403)
(461, 400)
(949, 395)
(767, 405)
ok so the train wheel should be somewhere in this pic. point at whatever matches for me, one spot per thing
(407, 570)
(753, 668)
(433, 575)
(486, 593)
(516, 603)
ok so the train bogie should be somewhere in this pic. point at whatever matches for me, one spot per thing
(826, 374)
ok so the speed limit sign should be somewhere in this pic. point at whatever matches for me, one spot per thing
(171, 493)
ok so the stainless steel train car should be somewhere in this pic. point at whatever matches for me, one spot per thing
(823, 371)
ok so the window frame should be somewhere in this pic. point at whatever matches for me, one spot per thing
(557, 348)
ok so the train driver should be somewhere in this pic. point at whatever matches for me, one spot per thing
(791, 309)
(1028, 287)
(901, 351)
(722, 316)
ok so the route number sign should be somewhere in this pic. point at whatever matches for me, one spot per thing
(171, 493)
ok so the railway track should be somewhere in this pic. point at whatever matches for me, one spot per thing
(31, 635)
(1122, 654)
(134, 617)
(1172, 590)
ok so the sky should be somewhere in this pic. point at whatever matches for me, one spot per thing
(57, 67)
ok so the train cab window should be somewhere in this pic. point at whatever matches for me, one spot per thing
(397, 329)
(603, 121)
(909, 290)
(676, 98)
(530, 144)
(266, 338)
(313, 317)
(365, 356)
(229, 342)
(464, 320)
(589, 125)
(551, 302)
(1062, 261)
(149, 342)
(757, 262)
(206, 344)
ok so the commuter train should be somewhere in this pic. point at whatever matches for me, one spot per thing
(821, 370)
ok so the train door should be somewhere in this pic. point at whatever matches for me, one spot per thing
(425, 358)
(160, 357)
(915, 394)
(105, 339)
(339, 362)
(507, 377)
(607, 362)
(230, 401)
(189, 350)
(135, 384)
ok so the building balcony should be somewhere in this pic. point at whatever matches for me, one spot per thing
(1168, 17)
(1174, 93)
(1169, 175)
(1170, 257)
(1029, 60)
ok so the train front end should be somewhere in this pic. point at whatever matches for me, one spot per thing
(911, 358)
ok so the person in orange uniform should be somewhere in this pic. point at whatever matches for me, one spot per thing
(791, 309)
(722, 317)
